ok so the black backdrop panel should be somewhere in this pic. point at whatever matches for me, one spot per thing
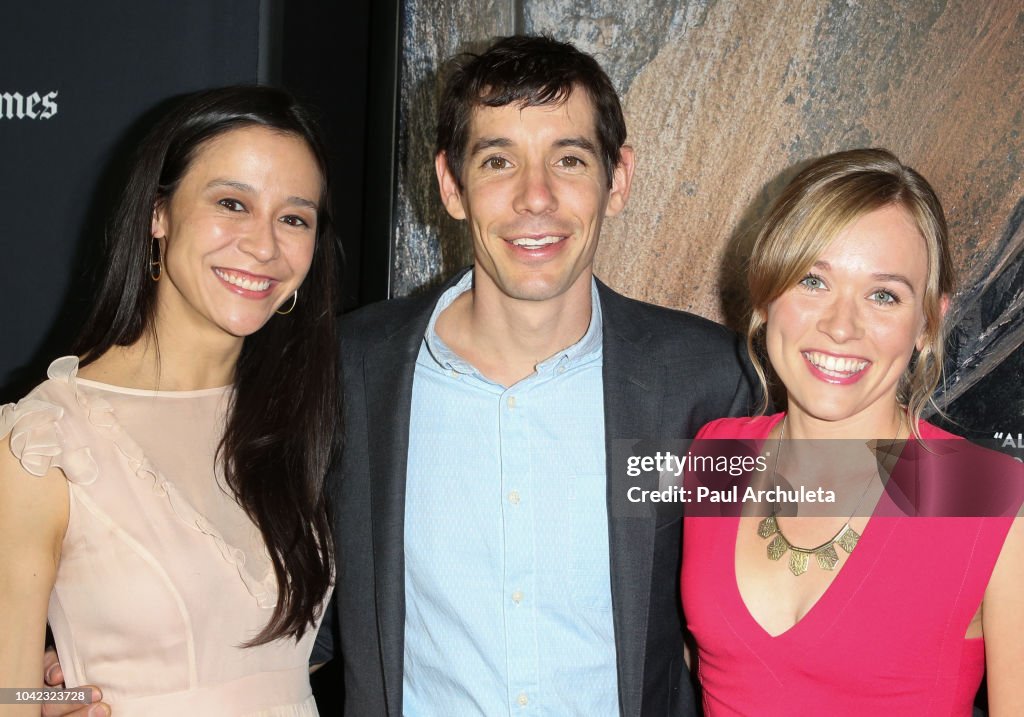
(104, 67)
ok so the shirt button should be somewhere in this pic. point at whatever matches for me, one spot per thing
(522, 699)
(561, 369)
(513, 497)
(517, 597)
(511, 403)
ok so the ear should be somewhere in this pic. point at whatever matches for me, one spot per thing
(762, 314)
(158, 226)
(448, 185)
(622, 180)
(943, 308)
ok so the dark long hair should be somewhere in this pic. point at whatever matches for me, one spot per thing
(282, 424)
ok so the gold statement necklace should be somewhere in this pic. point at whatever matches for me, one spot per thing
(825, 554)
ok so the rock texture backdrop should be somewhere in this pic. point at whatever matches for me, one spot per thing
(724, 101)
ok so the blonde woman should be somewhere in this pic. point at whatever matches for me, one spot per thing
(869, 611)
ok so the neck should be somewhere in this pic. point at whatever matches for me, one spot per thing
(827, 453)
(168, 361)
(505, 338)
(881, 422)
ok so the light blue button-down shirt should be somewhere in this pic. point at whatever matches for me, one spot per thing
(507, 584)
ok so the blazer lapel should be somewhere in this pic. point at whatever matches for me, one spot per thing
(388, 368)
(632, 409)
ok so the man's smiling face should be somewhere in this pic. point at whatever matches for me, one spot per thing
(534, 192)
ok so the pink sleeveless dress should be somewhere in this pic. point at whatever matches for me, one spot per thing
(162, 575)
(886, 638)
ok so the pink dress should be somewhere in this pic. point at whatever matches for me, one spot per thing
(162, 576)
(886, 638)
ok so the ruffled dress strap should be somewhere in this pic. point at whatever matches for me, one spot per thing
(37, 436)
(48, 430)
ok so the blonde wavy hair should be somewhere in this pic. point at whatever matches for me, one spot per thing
(827, 196)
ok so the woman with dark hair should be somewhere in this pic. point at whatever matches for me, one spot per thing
(163, 491)
(895, 598)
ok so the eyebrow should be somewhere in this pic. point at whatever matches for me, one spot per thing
(878, 276)
(894, 277)
(249, 189)
(485, 143)
(579, 142)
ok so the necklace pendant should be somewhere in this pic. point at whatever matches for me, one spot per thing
(797, 563)
(827, 557)
(767, 527)
(847, 539)
(825, 554)
(778, 547)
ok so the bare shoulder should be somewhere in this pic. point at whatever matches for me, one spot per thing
(34, 509)
(1008, 575)
(1003, 623)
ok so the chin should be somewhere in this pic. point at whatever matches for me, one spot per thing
(831, 415)
(529, 289)
(825, 408)
(540, 288)
(242, 327)
(533, 293)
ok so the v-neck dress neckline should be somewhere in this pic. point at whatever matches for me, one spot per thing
(886, 637)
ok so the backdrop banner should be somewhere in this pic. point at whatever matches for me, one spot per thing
(79, 84)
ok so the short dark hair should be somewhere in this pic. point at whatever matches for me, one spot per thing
(281, 429)
(528, 71)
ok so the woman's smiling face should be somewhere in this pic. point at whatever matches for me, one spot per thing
(841, 338)
(238, 233)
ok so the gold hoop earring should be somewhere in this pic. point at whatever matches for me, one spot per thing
(295, 300)
(156, 268)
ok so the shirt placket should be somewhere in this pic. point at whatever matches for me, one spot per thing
(519, 579)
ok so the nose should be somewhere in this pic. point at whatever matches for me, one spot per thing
(534, 193)
(259, 240)
(841, 320)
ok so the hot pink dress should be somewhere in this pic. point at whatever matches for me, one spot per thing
(886, 638)
(162, 575)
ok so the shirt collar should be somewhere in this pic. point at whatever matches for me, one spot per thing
(586, 348)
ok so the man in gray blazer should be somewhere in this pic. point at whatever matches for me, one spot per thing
(483, 567)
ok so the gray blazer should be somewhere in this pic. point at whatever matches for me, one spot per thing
(666, 373)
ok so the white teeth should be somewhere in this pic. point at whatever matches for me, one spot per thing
(248, 284)
(835, 366)
(531, 243)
